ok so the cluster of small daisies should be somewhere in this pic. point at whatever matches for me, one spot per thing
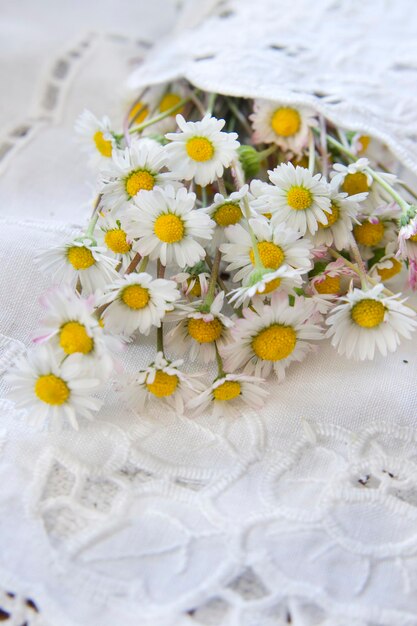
(237, 235)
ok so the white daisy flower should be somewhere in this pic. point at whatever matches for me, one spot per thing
(369, 320)
(194, 283)
(133, 170)
(53, 390)
(287, 126)
(387, 266)
(343, 212)
(199, 332)
(262, 283)
(298, 198)
(96, 136)
(70, 326)
(80, 259)
(114, 236)
(259, 203)
(229, 395)
(277, 246)
(162, 384)
(355, 178)
(201, 151)
(166, 226)
(225, 211)
(329, 281)
(352, 178)
(138, 302)
(270, 337)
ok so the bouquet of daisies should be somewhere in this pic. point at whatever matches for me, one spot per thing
(240, 235)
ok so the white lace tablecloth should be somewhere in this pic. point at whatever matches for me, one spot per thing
(303, 514)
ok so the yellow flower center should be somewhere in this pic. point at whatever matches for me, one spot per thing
(286, 121)
(116, 241)
(355, 183)
(163, 385)
(369, 234)
(138, 180)
(330, 285)
(135, 297)
(228, 390)
(169, 228)
(139, 113)
(51, 389)
(271, 286)
(332, 217)
(169, 101)
(101, 322)
(388, 272)
(227, 214)
(204, 332)
(74, 338)
(364, 140)
(413, 238)
(200, 149)
(272, 256)
(81, 258)
(274, 343)
(104, 146)
(368, 313)
(267, 215)
(195, 289)
(299, 198)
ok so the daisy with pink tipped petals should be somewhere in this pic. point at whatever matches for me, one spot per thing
(199, 332)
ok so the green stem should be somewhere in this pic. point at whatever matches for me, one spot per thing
(160, 273)
(238, 115)
(210, 105)
(398, 199)
(264, 154)
(204, 196)
(256, 255)
(160, 338)
(355, 268)
(159, 117)
(407, 188)
(94, 218)
(240, 181)
(208, 300)
(359, 261)
(383, 183)
(219, 360)
(144, 264)
(219, 280)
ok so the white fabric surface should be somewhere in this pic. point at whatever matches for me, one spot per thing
(305, 512)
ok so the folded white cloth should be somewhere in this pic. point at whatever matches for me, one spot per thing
(304, 513)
